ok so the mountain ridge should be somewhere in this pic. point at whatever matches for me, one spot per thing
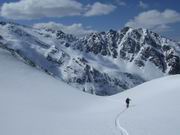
(101, 63)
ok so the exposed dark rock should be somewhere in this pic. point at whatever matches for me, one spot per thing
(136, 47)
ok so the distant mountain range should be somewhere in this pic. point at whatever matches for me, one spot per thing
(101, 63)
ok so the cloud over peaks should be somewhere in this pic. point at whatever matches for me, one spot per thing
(155, 20)
(35, 9)
(77, 28)
(99, 9)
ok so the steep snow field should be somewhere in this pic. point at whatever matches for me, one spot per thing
(33, 103)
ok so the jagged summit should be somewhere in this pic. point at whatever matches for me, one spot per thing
(102, 63)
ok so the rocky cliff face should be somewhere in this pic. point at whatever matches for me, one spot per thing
(102, 63)
(137, 46)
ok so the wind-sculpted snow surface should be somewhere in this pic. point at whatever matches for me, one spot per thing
(102, 63)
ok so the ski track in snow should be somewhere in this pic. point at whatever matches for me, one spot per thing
(118, 125)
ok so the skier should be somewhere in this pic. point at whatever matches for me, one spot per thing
(127, 102)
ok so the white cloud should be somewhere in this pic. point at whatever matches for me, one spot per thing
(120, 2)
(99, 9)
(32, 9)
(155, 20)
(77, 28)
(35, 9)
(143, 5)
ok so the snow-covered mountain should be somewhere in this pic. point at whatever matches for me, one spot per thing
(102, 63)
(33, 103)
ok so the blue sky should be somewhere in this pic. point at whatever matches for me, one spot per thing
(162, 16)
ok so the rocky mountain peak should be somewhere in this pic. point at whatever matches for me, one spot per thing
(101, 63)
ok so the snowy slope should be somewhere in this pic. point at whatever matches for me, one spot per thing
(154, 110)
(49, 50)
(100, 63)
(33, 103)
